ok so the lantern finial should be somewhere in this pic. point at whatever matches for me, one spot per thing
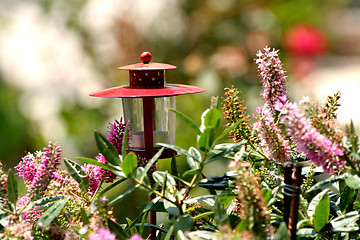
(145, 57)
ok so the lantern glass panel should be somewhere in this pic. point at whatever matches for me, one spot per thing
(163, 125)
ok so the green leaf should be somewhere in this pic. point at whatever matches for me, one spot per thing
(220, 215)
(346, 196)
(352, 128)
(242, 226)
(353, 181)
(193, 163)
(77, 173)
(304, 223)
(267, 195)
(129, 165)
(282, 232)
(42, 202)
(169, 233)
(117, 229)
(322, 212)
(175, 171)
(115, 170)
(171, 208)
(107, 149)
(122, 196)
(180, 235)
(188, 121)
(315, 201)
(306, 233)
(160, 177)
(49, 215)
(163, 184)
(327, 182)
(210, 119)
(191, 172)
(228, 130)
(203, 215)
(133, 223)
(206, 139)
(148, 225)
(109, 187)
(84, 218)
(150, 205)
(12, 187)
(125, 140)
(151, 162)
(145, 182)
(346, 223)
(184, 223)
(133, 230)
(202, 198)
(180, 150)
(226, 151)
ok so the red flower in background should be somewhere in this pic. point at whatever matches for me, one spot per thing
(305, 40)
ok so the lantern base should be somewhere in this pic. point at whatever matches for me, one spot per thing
(167, 153)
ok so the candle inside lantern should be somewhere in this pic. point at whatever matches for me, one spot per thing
(138, 140)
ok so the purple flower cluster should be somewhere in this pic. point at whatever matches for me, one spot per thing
(317, 147)
(272, 76)
(275, 144)
(116, 134)
(142, 161)
(102, 234)
(38, 169)
(97, 174)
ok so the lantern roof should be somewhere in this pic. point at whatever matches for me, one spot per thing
(147, 80)
(146, 64)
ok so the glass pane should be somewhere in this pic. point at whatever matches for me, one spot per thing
(133, 112)
(164, 121)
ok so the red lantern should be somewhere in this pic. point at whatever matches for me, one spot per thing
(146, 103)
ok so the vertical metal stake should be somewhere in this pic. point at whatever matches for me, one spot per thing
(149, 127)
(288, 170)
(294, 212)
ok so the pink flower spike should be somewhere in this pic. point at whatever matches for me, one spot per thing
(135, 237)
(102, 234)
(272, 77)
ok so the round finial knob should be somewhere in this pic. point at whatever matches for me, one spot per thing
(145, 57)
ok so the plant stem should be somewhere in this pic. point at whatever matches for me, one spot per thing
(154, 192)
(196, 175)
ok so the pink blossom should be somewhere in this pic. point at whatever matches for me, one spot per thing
(272, 77)
(29, 216)
(116, 134)
(28, 166)
(102, 234)
(275, 144)
(317, 147)
(38, 169)
(97, 174)
(136, 237)
(50, 162)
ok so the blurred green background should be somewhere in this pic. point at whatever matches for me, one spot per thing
(54, 53)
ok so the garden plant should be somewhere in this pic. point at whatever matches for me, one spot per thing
(246, 202)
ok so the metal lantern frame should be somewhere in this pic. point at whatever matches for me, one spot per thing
(147, 81)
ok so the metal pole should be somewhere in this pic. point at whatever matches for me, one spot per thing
(288, 170)
(149, 127)
(294, 212)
